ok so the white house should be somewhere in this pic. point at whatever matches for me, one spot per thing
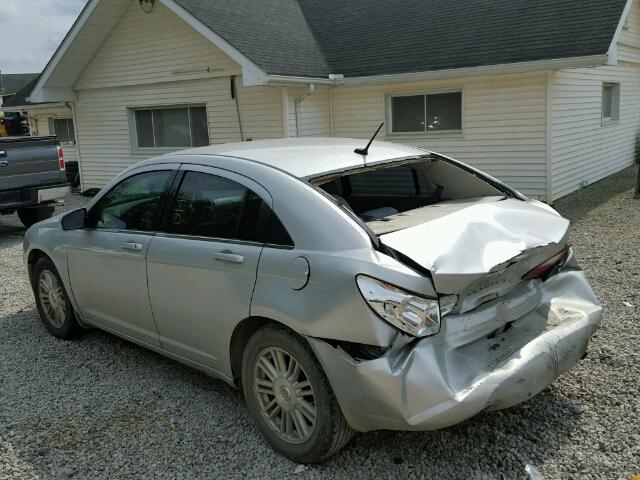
(543, 94)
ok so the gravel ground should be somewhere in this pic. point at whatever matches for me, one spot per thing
(101, 408)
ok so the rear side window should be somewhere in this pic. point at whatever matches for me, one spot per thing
(207, 205)
(132, 204)
(212, 206)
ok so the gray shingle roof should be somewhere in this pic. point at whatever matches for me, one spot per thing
(375, 37)
(274, 34)
(20, 98)
(11, 83)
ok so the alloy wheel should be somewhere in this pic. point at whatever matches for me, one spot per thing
(52, 298)
(285, 395)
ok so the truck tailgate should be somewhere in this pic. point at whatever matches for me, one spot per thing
(29, 162)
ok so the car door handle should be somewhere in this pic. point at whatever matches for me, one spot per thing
(132, 246)
(3, 153)
(228, 256)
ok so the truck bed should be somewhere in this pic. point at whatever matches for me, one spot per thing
(29, 162)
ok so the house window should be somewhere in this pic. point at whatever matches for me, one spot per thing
(425, 113)
(610, 102)
(63, 129)
(171, 127)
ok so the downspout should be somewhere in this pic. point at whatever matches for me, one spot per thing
(234, 95)
(297, 103)
(74, 115)
(549, 136)
(331, 110)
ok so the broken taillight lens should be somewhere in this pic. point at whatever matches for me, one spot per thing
(545, 267)
(415, 315)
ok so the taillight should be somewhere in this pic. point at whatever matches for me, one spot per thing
(544, 268)
(61, 158)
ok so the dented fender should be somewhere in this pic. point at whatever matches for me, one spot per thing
(535, 334)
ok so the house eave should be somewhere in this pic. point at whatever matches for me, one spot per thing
(15, 108)
(501, 69)
(286, 80)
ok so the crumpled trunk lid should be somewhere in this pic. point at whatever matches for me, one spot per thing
(482, 250)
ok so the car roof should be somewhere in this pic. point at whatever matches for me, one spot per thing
(308, 157)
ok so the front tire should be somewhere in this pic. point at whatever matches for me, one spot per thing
(29, 216)
(54, 307)
(290, 397)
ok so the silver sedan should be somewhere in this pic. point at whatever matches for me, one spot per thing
(342, 290)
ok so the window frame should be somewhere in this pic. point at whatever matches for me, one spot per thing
(614, 119)
(52, 128)
(246, 182)
(173, 173)
(133, 131)
(388, 116)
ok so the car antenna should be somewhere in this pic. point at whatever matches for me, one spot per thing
(365, 151)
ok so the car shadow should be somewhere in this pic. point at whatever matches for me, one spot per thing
(105, 388)
(9, 228)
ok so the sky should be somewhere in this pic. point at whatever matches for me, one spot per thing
(31, 30)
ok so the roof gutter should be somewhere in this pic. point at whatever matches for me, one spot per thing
(284, 80)
(16, 108)
(500, 69)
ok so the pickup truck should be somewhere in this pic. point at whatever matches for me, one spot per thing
(32, 177)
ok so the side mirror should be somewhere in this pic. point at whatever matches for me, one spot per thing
(74, 220)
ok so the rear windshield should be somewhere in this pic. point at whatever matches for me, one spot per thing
(379, 195)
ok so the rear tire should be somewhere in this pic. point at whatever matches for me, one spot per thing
(29, 216)
(54, 307)
(293, 405)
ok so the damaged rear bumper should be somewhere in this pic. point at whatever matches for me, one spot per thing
(496, 356)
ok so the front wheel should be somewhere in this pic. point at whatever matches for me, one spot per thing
(290, 397)
(29, 216)
(54, 307)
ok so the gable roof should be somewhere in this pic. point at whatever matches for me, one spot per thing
(274, 34)
(11, 83)
(20, 98)
(312, 38)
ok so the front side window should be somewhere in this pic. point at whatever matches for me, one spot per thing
(424, 113)
(63, 129)
(211, 206)
(171, 127)
(610, 102)
(132, 204)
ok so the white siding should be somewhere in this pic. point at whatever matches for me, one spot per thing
(157, 59)
(584, 150)
(313, 111)
(40, 120)
(103, 118)
(153, 47)
(504, 122)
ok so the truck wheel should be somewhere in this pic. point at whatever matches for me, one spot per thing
(54, 307)
(29, 216)
(290, 397)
